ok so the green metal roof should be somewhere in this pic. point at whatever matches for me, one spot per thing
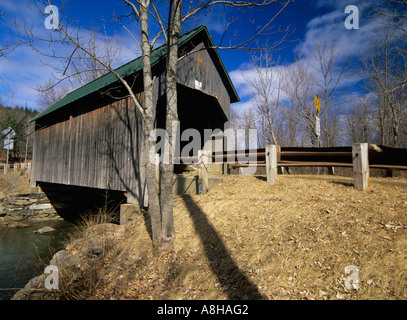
(130, 68)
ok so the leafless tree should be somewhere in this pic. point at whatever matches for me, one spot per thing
(383, 69)
(299, 87)
(48, 94)
(87, 67)
(360, 124)
(7, 48)
(245, 120)
(330, 72)
(265, 80)
(290, 132)
(82, 70)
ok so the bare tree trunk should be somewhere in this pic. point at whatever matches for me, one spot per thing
(167, 170)
(395, 124)
(148, 126)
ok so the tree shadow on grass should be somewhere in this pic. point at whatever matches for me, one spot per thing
(233, 280)
(262, 178)
(343, 183)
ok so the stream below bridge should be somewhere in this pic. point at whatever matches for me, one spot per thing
(24, 254)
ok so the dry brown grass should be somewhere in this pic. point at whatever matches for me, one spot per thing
(288, 241)
(14, 182)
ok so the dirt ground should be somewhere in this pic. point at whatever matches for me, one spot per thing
(306, 237)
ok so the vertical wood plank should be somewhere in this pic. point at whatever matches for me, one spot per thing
(78, 152)
(85, 148)
(50, 150)
(126, 153)
(92, 177)
(117, 146)
(65, 146)
(95, 163)
(74, 128)
(271, 164)
(361, 174)
(33, 182)
(106, 146)
(57, 154)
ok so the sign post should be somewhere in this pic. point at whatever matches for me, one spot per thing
(317, 121)
(8, 143)
(317, 128)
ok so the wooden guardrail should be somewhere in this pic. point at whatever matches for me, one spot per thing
(360, 156)
(15, 167)
(380, 157)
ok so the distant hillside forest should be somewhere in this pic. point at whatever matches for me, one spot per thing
(17, 118)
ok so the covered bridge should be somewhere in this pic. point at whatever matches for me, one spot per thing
(90, 141)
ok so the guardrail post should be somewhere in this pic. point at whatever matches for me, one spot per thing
(271, 164)
(204, 158)
(360, 166)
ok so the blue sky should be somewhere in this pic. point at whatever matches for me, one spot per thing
(321, 20)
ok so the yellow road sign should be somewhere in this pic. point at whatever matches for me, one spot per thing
(317, 104)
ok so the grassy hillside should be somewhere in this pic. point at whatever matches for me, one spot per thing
(13, 182)
(248, 240)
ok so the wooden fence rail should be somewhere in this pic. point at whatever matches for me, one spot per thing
(16, 167)
(360, 156)
(379, 157)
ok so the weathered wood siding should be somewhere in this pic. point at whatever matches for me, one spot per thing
(200, 66)
(99, 148)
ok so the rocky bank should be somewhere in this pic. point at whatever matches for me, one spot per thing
(17, 210)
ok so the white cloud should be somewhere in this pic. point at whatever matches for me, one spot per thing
(326, 28)
(23, 69)
(330, 28)
(248, 94)
(238, 78)
(335, 4)
(328, 19)
(216, 23)
(14, 7)
(243, 106)
(214, 17)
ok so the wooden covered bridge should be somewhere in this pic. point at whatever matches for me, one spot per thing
(90, 141)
